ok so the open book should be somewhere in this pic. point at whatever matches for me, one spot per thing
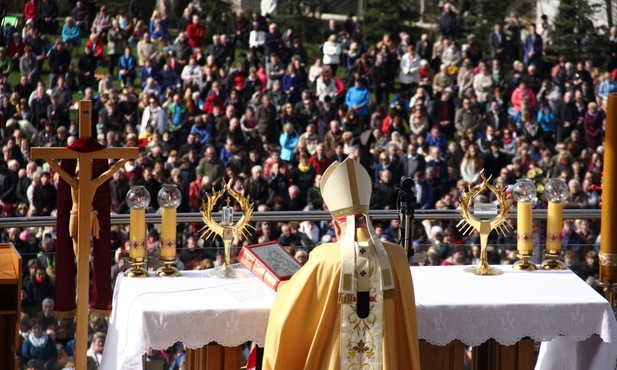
(269, 262)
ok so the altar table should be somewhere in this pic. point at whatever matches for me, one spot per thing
(576, 324)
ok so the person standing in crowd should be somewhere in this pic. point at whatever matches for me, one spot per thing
(533, 47)
(447, 22)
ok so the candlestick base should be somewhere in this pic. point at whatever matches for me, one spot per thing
(226, 272)
(136, 271)
(551, 261)
(609, 292)
(168, 270)
(524, 264)
(490, 271)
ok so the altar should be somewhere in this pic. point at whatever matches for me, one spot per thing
(575, 324)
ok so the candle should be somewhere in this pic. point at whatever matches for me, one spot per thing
(556, 192)
(523, 226)
(169, 198)
(168, 233)
(553, 226)
(524, 192)
(608, 229)
(138, 233)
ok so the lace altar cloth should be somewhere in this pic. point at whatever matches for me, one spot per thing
(551, 306)
(555, 307)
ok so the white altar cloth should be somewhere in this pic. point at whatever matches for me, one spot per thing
(544, 305)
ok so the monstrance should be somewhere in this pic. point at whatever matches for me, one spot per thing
(485, 218)
(226, 229)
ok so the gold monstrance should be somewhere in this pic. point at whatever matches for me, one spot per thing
(486, 217)
(227, 230)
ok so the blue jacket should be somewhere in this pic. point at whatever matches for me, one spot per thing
(288, 144)
(129, 64)
(206, 132)
(47, 354)
(358, 96)
(546, 120)
(296, 83)
(606, 87)
(162, 32)
(167, 79)
(144, 74)
(535, 46)
(71, 34)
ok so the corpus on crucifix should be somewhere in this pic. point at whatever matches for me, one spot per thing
(84, 178)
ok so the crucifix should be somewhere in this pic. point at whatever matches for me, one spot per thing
(83, 223)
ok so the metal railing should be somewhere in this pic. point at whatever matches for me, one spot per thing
(296, 216)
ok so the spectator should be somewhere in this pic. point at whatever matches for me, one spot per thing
(59, 61)
(127, 68)
(181, 51)
(47, 12)
(149, 70)
(29, 66)
(289, 141)
(447, 22)
(331, 53)
(15, 49)
(195, 33)
(102, 22)
(30, 10)
(39, 347)
(357, 99)
(71, 32)
(158, 27)
(533, 47)
(593, 125)
(81, 16)
(98, 48)
(191, 73)
(95, 351)
(115, 45)
(146, 49)
(257, 187)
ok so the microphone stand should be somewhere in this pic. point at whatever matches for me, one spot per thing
(406, 210)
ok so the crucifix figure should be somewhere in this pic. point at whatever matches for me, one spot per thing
(83, 222)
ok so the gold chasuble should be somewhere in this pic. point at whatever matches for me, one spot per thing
(351, 306)
(304, 329)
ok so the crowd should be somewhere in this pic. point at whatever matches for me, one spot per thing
(250, 109)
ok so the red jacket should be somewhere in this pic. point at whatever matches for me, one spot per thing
(518, 96)
(13, 50)
(320, 165)
(29, 11)
(98, 49)
(195, 34)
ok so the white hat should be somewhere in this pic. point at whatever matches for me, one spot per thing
(346, 189)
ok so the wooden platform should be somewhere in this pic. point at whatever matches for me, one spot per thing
(10, 305)
(489, 356)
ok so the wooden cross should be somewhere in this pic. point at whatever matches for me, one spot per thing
(83, 187)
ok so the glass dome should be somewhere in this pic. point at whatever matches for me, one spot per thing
(169, 196)
(138, 197)
(524, 190)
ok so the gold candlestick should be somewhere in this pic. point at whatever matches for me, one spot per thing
(524, 192)
(138, 199)
(486, 217)
(556, 191)
(226, 229)
(169, 198)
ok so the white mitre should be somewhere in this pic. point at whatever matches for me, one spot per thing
(346, 189)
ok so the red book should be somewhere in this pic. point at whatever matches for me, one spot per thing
(269, 262)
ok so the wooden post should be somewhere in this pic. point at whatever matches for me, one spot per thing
(83, 187)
